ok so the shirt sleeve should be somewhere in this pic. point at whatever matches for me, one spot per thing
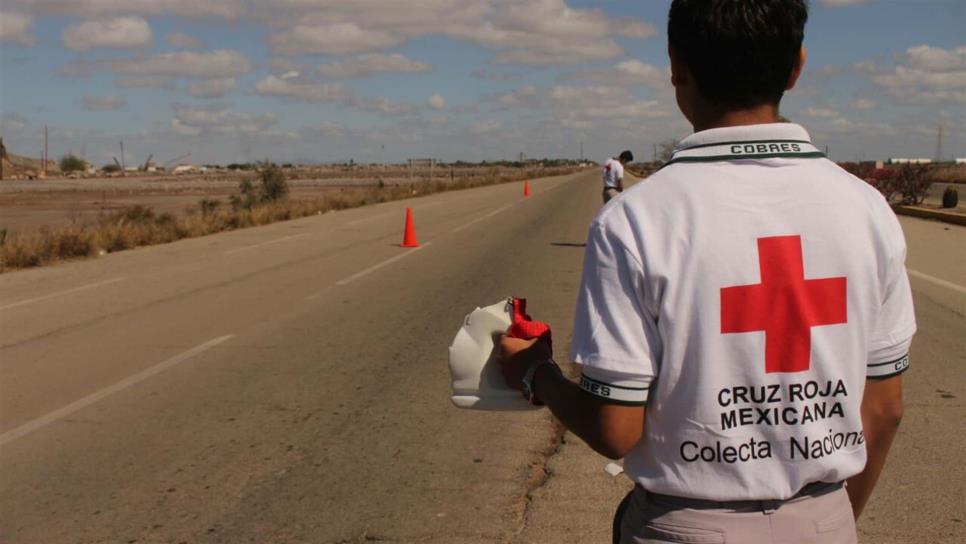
(615, 339)
(896, 321)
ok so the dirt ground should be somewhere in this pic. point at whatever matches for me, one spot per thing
(30, 211)
(29, 205)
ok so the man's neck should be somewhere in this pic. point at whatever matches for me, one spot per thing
(757, 115)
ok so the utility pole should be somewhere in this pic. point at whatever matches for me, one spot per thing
(46, 156)
(581, 151)
(939, 144)
(123, 168)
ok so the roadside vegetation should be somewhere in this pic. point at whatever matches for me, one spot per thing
(904, 184)
(72, 163)
(257, 202)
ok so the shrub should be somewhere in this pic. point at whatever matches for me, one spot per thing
(246, 197)
(208, 206)
(950, 197)
(137, 214)
(274, 187)
(72, 163)
(111, 168)
(140, 226)
(913, 182)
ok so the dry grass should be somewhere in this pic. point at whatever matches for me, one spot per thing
(949, 174)
(138, 226)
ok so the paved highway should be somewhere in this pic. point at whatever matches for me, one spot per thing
(288, 384)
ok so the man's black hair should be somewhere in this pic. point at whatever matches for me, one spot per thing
(741, 53)
(626, 156)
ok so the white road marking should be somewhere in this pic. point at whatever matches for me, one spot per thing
(375, 267)
(42, 421)
(59, 293)
(270, 242)
(316, 295)
(478, 219)
(932, 279)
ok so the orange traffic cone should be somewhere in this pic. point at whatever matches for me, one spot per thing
(526, 188)
(409, 235)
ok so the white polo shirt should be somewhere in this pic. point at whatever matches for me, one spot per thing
(745, 293)
(613, 173)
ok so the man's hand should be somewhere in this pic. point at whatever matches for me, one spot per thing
(881, 414)
(516, 356)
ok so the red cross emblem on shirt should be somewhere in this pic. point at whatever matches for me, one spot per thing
(784, 305)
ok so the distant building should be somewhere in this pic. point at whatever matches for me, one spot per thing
(910, 161)
(961, 161)
(183, 169)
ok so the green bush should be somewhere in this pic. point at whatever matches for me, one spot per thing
(72, 163)
(950, 197)
(272, 187)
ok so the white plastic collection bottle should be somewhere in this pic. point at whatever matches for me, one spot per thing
(478, 383)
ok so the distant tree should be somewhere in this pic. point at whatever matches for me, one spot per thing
(111, 168)
(72, 163)
(666, 150)
(272, 186)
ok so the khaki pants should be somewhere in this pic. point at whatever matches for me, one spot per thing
(822, 517)
(610, 193)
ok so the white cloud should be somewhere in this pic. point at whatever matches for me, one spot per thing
(930, 74)
(11, 123)
(584, 107)
(328, 129)
(371, 64)
(16, 28)
(520, 31)
(103, 103)
(145, 82)
(191, 121)
(308, 91)
(214, 64)
(844, 3)
(822, 113)
(864, 104)
(937, 59)
(332, 39)
(627, 72)
(301, 91)
(184, 41)
(117, 33)
(212, 88)
(227, 9)
(436, 101)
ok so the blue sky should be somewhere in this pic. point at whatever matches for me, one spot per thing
(382, 80)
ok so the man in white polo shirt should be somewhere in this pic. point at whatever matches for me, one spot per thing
(744, 314)
(613, 176)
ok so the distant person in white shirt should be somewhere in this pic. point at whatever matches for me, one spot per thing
(744, 317)
(614, 175)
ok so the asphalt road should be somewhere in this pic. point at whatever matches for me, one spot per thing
(288, 384)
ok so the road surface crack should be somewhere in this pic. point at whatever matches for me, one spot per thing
(540, 475)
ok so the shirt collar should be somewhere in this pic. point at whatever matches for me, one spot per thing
(773, 140)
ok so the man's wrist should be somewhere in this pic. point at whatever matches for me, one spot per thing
(539, 372)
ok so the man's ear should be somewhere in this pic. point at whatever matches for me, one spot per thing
(797, 69)
(679, 71)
